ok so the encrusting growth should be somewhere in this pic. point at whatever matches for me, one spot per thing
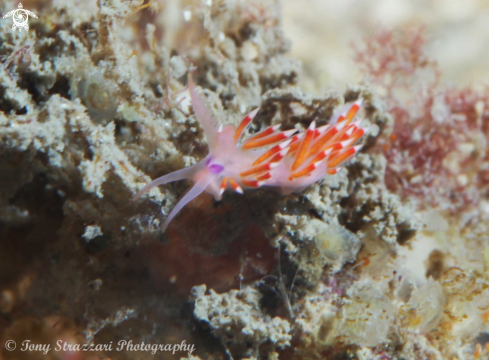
(281, 159)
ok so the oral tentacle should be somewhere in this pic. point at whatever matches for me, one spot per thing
(195, 191)
(174, 176)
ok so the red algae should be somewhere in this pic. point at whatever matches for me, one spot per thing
(436, 148)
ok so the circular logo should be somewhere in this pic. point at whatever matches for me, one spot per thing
(20, 18)
(10, 345)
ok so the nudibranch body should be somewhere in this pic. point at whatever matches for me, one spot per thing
(286, 160)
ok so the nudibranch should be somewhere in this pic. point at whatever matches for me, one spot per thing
(286, 160)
